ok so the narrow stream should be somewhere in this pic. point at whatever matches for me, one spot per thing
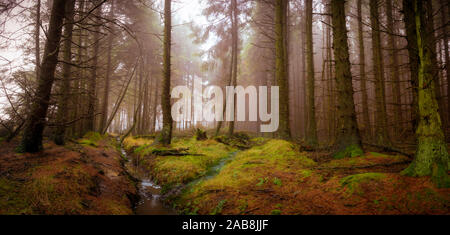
(150, 193)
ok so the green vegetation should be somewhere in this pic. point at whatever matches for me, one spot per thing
(353, 182)
(174, 170)
(350, 151)
(92, 139)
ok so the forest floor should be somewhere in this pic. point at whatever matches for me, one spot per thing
(228, 176)
(276, 177)
(82, 178)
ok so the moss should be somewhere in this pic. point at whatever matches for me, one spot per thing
(353, 182)
(12, 198)
(87, 142)
(277, 181)
(431, 160)
(350, 151)
(92, 139)
(276, 212)
(173, 170)
(218, 209)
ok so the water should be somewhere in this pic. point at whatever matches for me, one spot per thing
(150, 193)
(215, 170)
(151, 203)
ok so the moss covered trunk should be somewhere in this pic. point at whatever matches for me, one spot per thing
(411, 37)
(432, 155)
(348, 134)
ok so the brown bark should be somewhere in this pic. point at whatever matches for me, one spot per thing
(348, 133)
(63, 107)
(166, 133)
(36, 120)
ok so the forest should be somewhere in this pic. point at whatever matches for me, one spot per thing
(224, 107)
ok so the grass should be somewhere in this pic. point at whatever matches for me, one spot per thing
(353, 182)
(92, 139)
(274, 166)
(367, 159)
(68, 184)
(174, 170)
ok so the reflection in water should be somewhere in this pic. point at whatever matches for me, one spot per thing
(150, 203)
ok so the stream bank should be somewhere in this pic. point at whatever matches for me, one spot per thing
(154, 200)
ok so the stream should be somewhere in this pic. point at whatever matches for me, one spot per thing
(150, 193)
(150, 202)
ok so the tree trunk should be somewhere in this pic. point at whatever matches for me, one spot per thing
(348, 139)
(280, 67)
(37, 37)
(166, 133)
(432, 155)
(92, 89)
(413, 55)
(235, 41)
(393, 55)
(362, 72)
(63, 107)
(444, 15)
(434, 62)
(35, 123)
(311, 137)
(105, 104)
(381, 133)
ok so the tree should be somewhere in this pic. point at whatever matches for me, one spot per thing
(432, 156)
(166, 133)
(37, 37)
(444, 16)
(62, 113)
(413, 56)
(36, 120)
(92, 84)
(234, 51)
(362, 72)
(311, 133)
(381, 133)
(348, 141)
(280, 67)
(106, 89)
(393, 56)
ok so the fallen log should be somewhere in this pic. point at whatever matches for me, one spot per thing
(174, 152)
(390, 149)
(363, 166)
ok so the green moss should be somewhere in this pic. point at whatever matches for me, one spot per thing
(12, 199)
(277, 181)
(173, 170)
(350, 151)
(218, 209)
(92, 139)
(88, 142)
(276, 212)
(261, 182)
(353, 182)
